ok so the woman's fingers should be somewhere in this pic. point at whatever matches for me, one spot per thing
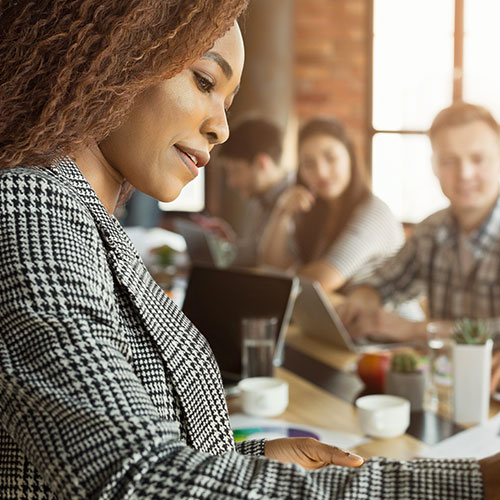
(296, 199)
(322, 454)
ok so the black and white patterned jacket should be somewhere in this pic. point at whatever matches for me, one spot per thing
(108, 392)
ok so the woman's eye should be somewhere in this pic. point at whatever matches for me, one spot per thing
(204, 84)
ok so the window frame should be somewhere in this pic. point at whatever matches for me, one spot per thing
(458, 67)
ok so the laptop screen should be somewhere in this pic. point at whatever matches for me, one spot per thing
(217, 299)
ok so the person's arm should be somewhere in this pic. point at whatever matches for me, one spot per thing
(273, 247)
(73, 404)
(329, 277)
(371, 234)
(398, 279)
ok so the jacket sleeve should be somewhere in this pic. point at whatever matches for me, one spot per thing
(70, 400)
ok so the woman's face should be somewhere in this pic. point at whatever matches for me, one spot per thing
(324, 166)
(173, 126)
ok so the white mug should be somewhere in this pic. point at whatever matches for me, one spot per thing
(263, 396)
(383, 416)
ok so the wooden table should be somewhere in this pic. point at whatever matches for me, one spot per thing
(313, 400)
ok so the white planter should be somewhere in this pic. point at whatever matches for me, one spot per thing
(471, 382)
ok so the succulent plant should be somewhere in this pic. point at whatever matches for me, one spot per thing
(471, 331)
(404, 362)
(164, 254)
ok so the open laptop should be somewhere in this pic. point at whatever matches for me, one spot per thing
(315, 316)
(204, 247)
(217, 299)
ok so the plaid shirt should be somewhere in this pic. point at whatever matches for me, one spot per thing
(429, 264)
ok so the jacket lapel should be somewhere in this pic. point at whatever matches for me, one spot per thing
(185, 352)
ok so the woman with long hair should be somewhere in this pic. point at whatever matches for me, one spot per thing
(329, 227)
(107, 391)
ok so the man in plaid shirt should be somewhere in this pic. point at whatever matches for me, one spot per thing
(453, 257)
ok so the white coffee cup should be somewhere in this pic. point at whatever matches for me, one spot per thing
(263, 396)
(383, 416)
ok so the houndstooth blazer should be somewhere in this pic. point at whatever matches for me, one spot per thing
(107, 391)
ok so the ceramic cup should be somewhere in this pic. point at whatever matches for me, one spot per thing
(263, 396)
(383, 416)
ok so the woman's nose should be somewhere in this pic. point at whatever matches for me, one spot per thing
(215, 127)
(323, 170)
(466, 169)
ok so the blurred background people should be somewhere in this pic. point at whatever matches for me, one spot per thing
(329, 226)
(453, 256)
(251, 160)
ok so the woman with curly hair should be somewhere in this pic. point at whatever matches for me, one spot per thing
(340, 230)
(106, 389)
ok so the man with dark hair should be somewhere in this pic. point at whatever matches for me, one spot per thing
(453, 256)
(252, 163)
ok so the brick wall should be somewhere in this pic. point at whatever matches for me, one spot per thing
(332, 62)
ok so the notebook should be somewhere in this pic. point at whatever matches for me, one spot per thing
(217, 299)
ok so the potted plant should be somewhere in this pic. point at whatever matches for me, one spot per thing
(162, 266)
(405, 379)
(471, 371)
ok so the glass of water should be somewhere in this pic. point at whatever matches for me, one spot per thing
(258, 336)
(439, 343)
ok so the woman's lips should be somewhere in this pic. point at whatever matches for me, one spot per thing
(186, 159)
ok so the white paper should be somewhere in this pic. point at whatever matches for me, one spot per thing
(266, 428)
(476, 442)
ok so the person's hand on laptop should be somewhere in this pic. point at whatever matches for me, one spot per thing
(363, 315)
(386, 325)
(362, 305)
(309, 453)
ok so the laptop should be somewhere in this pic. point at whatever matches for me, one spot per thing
(204, 247)
(217, 299)
(316, 317)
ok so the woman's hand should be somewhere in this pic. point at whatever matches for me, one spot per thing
(309, 453)
(490, 468)
(295, 200)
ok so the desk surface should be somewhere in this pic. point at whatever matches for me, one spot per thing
(314, 402)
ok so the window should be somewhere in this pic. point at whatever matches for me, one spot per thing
(426, 55)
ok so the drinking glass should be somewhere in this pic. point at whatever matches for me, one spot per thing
(439, 343)
(258, 337)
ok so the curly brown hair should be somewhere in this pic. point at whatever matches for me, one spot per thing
(71, 68)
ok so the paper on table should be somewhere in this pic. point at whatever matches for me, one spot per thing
(246, 427)
(476, 442)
